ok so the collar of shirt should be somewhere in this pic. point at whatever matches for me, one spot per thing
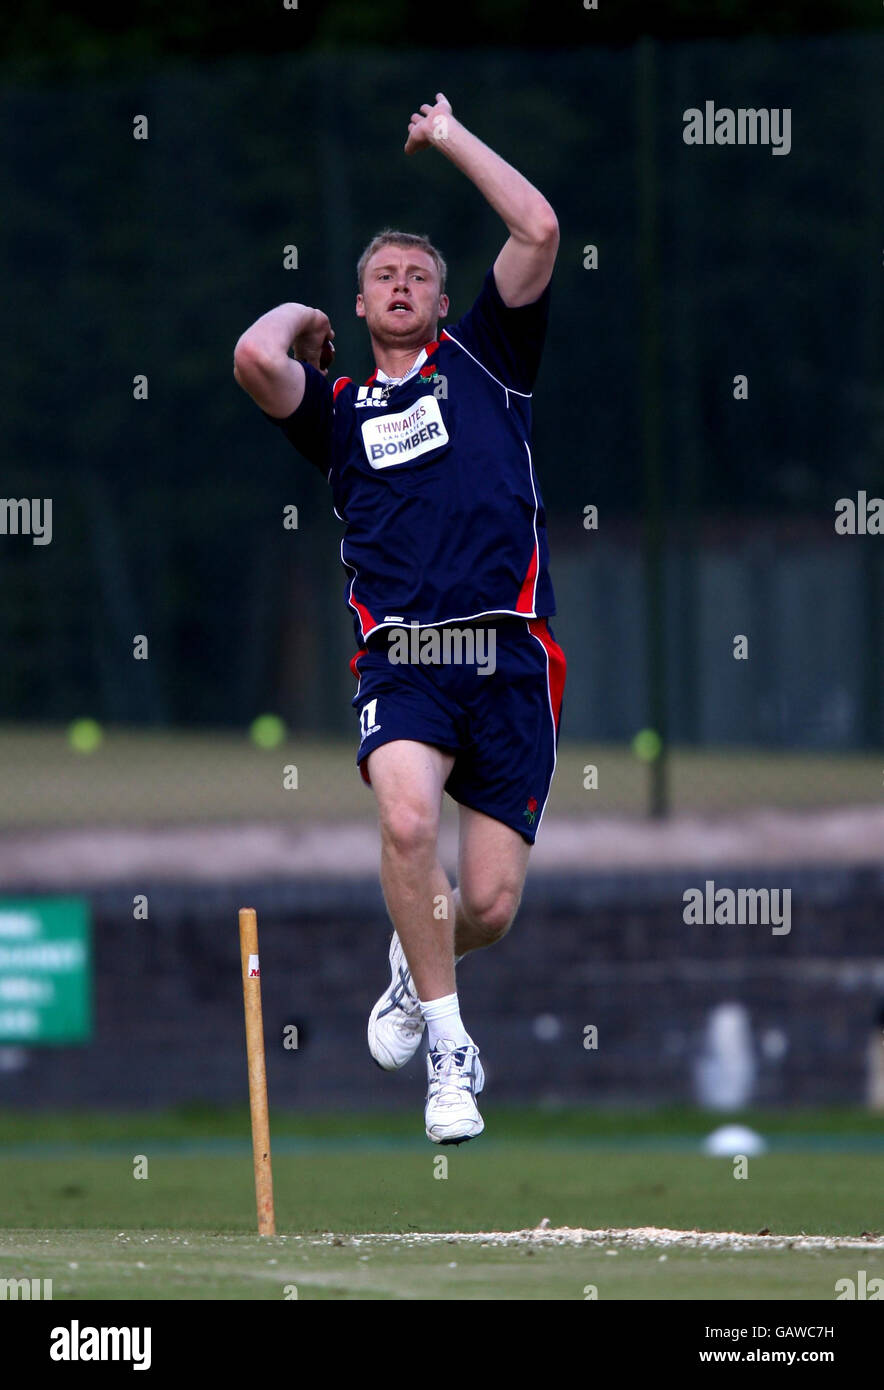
(382, 379)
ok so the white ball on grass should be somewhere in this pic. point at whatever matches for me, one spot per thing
(729, 1140)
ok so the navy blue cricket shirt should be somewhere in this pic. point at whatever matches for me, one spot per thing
(435, 481)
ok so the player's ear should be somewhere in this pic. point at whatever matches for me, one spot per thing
(443, 306)
(360, 307)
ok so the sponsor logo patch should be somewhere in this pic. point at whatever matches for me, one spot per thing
(403, 437)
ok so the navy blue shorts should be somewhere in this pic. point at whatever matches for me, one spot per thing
(502, 723)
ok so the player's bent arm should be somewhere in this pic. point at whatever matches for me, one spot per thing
(277, 387)
(261, 362)
(525, 264)
(524, 268)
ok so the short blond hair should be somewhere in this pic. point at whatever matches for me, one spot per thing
(390, 237)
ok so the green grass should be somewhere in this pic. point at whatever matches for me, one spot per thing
(498, 1188)
(554, 1125)
(72, 1210)
(161, 777)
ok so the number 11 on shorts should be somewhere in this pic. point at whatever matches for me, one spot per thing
(367, 723)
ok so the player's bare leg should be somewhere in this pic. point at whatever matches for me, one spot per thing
(492, 864)
(408, 779)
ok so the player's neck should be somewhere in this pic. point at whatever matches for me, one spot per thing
(394, 360)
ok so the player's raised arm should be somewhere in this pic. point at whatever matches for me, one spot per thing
(524, 266)
(261, 362)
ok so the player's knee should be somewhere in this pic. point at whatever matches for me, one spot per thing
(409, 829)
(493, 916)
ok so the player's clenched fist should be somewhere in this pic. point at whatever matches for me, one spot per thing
(430, 126)
(313, 340)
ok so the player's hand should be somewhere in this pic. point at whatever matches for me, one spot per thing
(314, 341)
(430, 126)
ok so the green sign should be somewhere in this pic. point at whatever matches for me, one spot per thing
(45, 970)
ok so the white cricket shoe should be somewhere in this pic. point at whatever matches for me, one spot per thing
(455, 1078)
(396, 1024)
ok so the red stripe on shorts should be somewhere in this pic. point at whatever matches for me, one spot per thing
(525, 601)
(557, 664)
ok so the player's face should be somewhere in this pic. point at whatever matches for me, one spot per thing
(400, 299)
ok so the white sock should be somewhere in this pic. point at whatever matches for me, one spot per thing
(442, 1017)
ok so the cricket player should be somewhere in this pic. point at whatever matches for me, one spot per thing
(460, 679)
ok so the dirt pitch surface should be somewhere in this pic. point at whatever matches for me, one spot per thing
(636, 1238)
